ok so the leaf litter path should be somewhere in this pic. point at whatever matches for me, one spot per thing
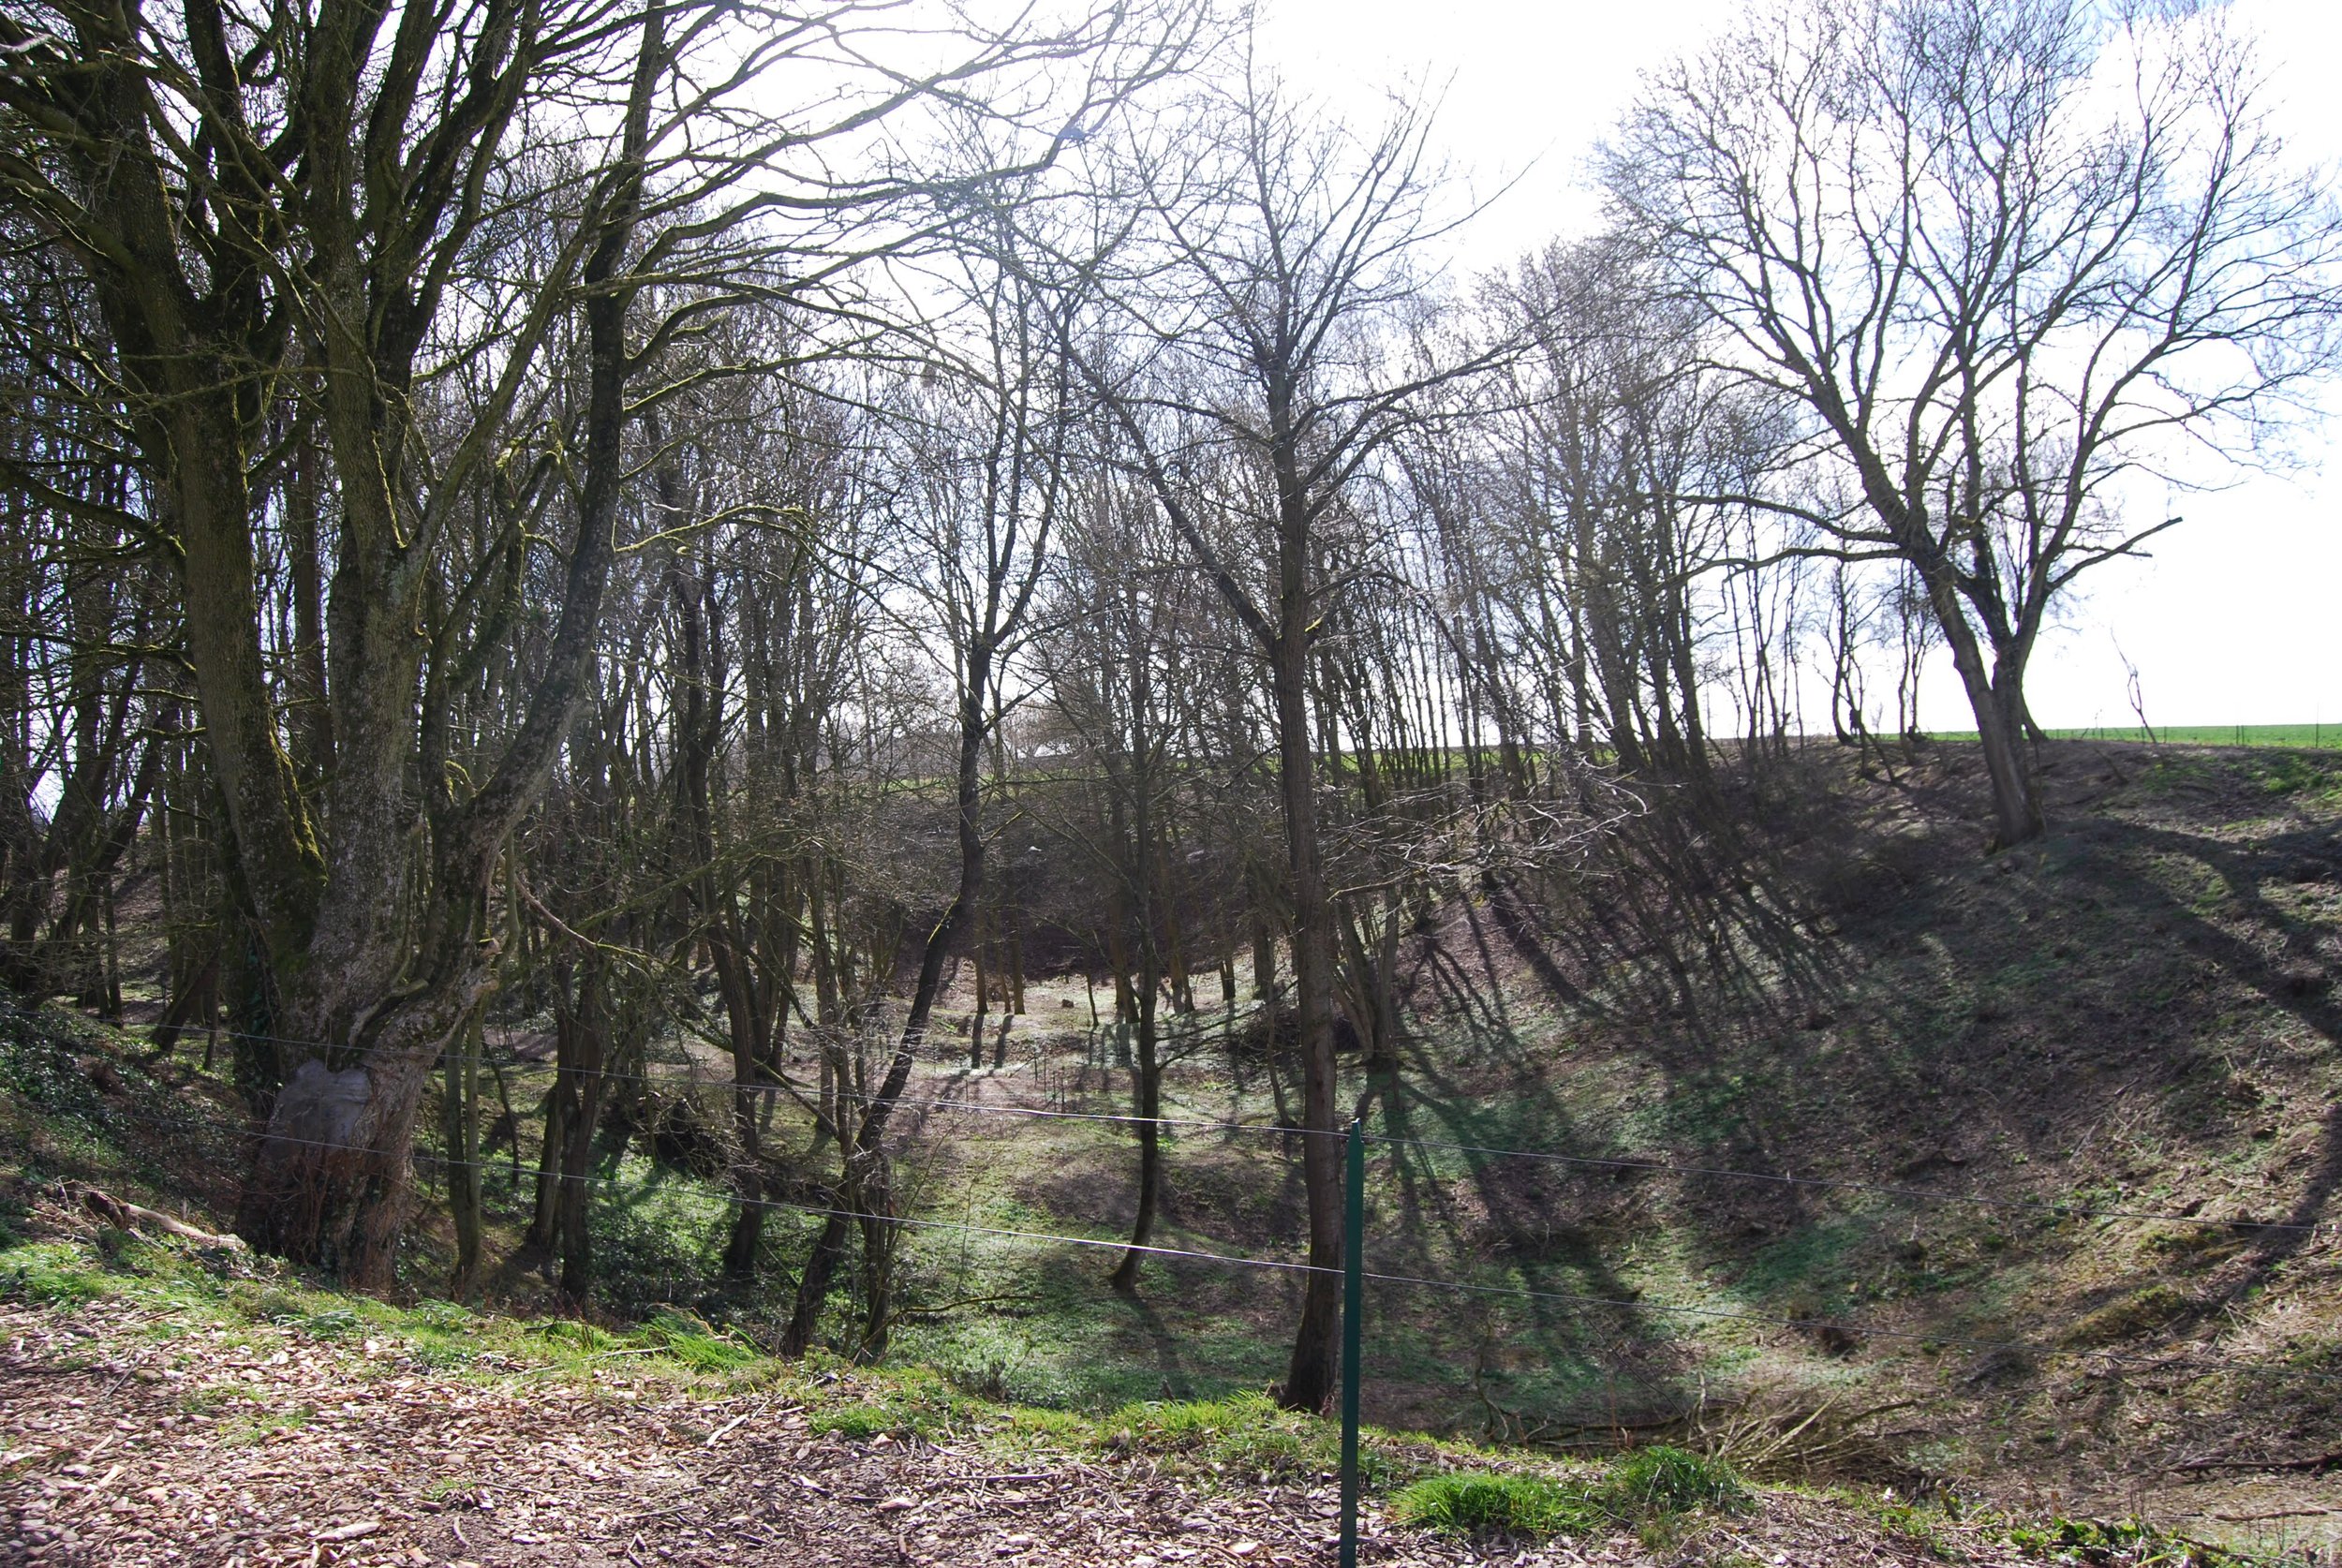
(207, 1447)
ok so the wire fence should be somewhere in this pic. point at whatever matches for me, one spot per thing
(2056, 1344)
(2056, 1340)
(2063, 1209)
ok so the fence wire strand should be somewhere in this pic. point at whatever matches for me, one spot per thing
(1809, 1325)
(2073, 1210)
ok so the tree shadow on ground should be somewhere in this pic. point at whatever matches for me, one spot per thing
(2272, 952)
(1142, 1320)
(1969, 1024)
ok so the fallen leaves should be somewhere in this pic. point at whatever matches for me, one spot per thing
(383, 1464)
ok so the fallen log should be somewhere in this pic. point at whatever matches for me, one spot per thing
(129, 1216)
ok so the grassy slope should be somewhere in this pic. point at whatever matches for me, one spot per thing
(2137, 1010)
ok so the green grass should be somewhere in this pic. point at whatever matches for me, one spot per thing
(1659, 1480)
(697, 1345)
(1494, 1504)
(1647, 1487)
(51, 1273)
(1245, 1432)
(179, 1291)
(908, 1401)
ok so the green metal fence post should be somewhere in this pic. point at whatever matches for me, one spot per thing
(1353, 1309)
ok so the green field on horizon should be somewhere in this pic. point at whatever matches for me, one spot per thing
(2317, 734)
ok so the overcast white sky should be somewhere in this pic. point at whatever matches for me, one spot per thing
(2234, 621)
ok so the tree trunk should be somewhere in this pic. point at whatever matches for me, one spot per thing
(461, 1125)
(1148, 1105)
(976, 1019)
(1139, 861)
(1016, 963)
(367, 968)
(1264, 959)
(699, 725)
(589, 1092)
(1996, 697)
(861, 1153)
(1310, 1374)
(544, 1229)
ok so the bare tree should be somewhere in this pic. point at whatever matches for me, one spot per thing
(282, 206)
(1117, 665)
(1588, 513)
(984, 455)
(1261, 370)
(2002, 254)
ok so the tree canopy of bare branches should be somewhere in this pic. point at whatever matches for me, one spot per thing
(2005, 259)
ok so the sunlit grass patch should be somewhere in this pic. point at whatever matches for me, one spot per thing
(53, 1274)
(1247, 1434)
(912, 1403)
(691, 1341)
(1190, 1423)
(574, 1333)
(859, 1421)
(1482, 1503)
(1060, 1426)
(1650, 1486)
(1661, 1480)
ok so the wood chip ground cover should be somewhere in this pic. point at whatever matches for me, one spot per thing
(212, 1447)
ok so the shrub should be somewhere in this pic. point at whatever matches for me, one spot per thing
(2124, 1544)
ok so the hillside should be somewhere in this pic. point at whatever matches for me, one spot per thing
(2134, 1017)
(2064, 1126)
